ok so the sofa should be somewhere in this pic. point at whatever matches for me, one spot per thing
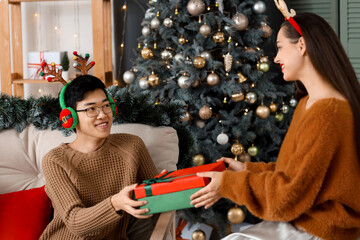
(24, 206)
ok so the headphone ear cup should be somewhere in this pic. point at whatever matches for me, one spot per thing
(68, 118)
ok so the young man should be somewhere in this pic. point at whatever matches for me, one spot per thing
(90, 180)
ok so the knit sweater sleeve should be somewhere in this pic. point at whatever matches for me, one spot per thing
(290, 190)
(81, 221)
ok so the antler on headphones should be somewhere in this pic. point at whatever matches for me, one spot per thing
(281, 5)
(53, 75)
(81, 63)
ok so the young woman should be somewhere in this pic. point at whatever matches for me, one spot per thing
(90, 180)
(312, 190)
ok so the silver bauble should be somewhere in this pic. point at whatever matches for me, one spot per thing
(196, 7)
(183, 82)
(206, 55)
(293, 102)
(285, 108)
(128, 77)
(205, 29)
(222, 138)
(146, 31)
(259, 7)
(143, 83)
(167, 54)
(179, 57)
(241, 21)
(155, 23)
(168, 22)
(213, 79)
(227, 28)
(251, 97)
(200, 124)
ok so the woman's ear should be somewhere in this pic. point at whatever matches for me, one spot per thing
(302, 46)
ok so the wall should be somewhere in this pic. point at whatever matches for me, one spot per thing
(38, 27)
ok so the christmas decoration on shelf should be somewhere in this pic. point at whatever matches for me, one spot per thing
(212, 56)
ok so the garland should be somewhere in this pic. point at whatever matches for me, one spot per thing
(43, 113)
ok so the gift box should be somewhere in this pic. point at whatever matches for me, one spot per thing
(172, 190)
(35, 60)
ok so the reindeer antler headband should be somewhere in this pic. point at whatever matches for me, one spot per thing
(55, 76)
(281, 5)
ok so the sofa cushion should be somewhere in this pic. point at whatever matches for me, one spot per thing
(24, 214)
(21, 153)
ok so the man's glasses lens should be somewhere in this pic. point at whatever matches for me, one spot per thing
(94, 111)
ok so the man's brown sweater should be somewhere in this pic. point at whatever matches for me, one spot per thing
(80, 186)
(315, 182)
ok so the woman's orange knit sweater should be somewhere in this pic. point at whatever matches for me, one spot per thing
(315, 182)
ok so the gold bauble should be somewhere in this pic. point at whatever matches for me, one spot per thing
(267, 31)
(237, 149)
(237, 97)
(186, 117)
(198, 235)
(205, 112)
(245, 157)
(198, 159)
(182, 40)
(242, 78)
(236, 215)
(199, 62)
(147, 53)
(153, 80)
(219, 37)
(262, 111)
(264, 59)
(273, 107)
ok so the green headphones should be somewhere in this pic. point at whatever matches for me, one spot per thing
(68, 115)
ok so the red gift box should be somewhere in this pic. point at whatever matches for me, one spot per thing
(175, 181)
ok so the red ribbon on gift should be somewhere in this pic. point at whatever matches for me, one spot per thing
(39, 67)
(180, 226)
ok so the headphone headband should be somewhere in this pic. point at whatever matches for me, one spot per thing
(62, 96)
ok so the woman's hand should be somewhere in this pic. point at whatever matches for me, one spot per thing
(233, 164)
(123, 201)
(210, 194)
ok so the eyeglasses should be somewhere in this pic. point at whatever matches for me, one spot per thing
(94, 111)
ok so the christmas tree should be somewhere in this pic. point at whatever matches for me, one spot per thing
(210, 54)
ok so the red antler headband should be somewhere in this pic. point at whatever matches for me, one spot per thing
(281, 5)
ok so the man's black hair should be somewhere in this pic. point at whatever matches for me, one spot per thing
(79, 87)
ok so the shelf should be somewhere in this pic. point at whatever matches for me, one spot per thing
(11, 45)
(22, 81)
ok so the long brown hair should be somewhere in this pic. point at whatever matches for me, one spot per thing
(329, 59)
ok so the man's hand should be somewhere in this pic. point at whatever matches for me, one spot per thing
(123, 201)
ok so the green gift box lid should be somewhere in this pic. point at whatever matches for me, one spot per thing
(168, 202)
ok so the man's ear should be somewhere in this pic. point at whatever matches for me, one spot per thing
(302, 45)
